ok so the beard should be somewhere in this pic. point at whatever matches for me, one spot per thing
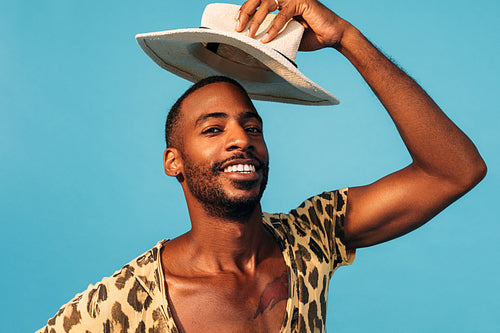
(205, 186)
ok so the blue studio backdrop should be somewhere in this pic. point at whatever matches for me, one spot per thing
(82, 187)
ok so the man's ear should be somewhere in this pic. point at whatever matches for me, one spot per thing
(172, 162)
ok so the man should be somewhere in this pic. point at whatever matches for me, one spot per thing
(239, 269)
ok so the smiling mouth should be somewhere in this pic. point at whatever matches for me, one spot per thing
(243, 168)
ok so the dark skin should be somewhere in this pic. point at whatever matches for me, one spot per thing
(218, 272)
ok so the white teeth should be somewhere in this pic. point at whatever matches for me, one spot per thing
(240, 168)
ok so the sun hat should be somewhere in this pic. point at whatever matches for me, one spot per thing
(267, 71)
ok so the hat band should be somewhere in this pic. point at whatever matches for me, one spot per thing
(236, 70)
(213, 48)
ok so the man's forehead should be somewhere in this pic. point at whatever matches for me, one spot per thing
(220, 100)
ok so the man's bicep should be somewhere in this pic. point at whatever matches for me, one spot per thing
(394, 206)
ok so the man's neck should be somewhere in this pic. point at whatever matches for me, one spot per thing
(227, 244)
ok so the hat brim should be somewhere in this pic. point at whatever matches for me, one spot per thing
(183, 53)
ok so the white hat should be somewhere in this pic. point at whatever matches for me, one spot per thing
(266, 71)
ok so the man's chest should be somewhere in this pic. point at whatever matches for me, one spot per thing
(228, 304)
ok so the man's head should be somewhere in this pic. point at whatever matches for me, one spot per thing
(215, 147)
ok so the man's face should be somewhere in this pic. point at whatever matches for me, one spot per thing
(224, 153)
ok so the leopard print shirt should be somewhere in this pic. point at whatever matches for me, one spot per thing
(134, 299)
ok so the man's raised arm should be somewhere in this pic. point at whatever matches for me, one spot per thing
(445, 165)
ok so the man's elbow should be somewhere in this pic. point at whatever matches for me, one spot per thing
(481, 170)
(475, 173)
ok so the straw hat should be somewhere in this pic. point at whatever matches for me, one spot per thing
(266, 71)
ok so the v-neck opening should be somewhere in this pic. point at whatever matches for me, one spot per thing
(167, 310)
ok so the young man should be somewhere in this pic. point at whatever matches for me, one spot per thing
(239, 269)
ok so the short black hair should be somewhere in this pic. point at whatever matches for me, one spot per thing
(173, 117)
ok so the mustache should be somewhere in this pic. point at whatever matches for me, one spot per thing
(238, 156)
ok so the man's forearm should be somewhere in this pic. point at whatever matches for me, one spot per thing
(436, 145)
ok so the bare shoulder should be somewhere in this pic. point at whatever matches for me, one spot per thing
(173, 253)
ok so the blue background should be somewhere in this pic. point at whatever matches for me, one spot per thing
(81, 142)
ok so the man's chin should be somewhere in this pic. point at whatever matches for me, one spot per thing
(233, 207)
(236, 204)
(246, 185)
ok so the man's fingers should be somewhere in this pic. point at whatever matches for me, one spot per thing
(281, 19)
(247, 10)
(256, 11)
(257, 20)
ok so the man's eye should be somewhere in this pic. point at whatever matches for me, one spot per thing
(212, 130)
(254, 130)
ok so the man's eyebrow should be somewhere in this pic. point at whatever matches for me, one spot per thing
(204, 117)
(201, 119)
(253, 115)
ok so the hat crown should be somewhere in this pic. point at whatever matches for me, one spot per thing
(220, 16)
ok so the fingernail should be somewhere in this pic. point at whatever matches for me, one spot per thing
(264, 39)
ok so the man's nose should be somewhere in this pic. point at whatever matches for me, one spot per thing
(238, 138)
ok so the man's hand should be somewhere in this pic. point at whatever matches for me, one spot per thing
(323, 27)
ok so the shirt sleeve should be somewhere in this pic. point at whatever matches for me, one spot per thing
(81, 314)
(128, 301)
(89, 311)
(321, 218)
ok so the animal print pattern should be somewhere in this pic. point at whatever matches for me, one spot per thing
(311, 239)
(134, 300)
